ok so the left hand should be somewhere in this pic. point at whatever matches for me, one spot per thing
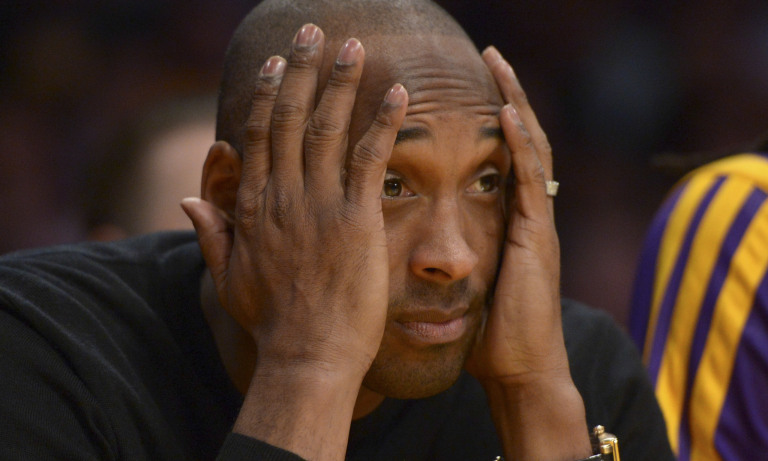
(520, 356)
(522, 339)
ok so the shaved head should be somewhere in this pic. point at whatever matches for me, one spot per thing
(269, 28)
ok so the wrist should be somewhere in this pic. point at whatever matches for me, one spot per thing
(605, 446)
(540, 419)
(307, 412)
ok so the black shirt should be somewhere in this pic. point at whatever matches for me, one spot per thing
(105, 354)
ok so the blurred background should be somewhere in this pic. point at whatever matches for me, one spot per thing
(614, 83)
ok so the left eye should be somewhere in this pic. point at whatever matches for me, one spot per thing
(486, 184)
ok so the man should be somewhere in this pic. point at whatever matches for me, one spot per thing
(700, 306)
(333, 316)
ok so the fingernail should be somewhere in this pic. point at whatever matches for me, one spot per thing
(273, 67)
(513, 113)
(396, 95)
(350, 52)
(190, 200)
(307, 36)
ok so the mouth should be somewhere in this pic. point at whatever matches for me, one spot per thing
(432, 327)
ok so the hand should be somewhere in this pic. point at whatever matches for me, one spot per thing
(522, 337)
(520, 357)
(304, 269)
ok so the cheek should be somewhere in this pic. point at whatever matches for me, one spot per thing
(486, 227)
(397, 229)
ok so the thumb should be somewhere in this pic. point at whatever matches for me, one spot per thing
(214, 235)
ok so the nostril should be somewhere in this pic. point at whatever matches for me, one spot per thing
(433, 273)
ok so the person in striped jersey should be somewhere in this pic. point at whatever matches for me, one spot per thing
(700, 309)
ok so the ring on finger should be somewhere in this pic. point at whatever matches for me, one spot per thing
(551, 188)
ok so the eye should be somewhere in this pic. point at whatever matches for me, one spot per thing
(394, 187)
(486, 184)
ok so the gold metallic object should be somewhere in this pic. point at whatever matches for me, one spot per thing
(608, 444)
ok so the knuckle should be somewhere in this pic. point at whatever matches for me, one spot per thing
(366, 155)
(538, 174)
(246, 214)
(343, 77)
(288, 112)
(383, 121)
(280, 206)
(303, 57)
(257, 129)
(368, 152)
(529, 144)
(322, 129)
(267, 86)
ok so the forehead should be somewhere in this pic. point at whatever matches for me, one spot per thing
(441, 73)
(425, 64)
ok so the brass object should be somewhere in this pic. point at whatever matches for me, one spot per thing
(608, 444)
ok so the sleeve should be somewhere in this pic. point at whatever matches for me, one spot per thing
(39, 392)
(238, 447)
(700, 311)
(617, 393)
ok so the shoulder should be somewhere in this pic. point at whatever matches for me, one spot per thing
(68, 267)
(83, 287)
(96, 336)
(143, 249)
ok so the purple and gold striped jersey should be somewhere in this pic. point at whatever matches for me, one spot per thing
(700, 310)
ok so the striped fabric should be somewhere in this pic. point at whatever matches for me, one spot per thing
(700, 311)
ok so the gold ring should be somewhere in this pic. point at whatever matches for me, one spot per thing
(552, 187)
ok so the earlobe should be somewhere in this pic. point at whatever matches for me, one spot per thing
(221, 177)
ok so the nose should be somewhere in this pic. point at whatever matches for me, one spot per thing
(443, 254)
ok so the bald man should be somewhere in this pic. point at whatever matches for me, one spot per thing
(376, 221)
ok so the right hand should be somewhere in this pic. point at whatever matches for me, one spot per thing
(303, 266)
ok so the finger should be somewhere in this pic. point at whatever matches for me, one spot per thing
(530, 191)
(368, 164)
(214, 236)
(326, 140)
(294, 104)
(256, 150)
(513, 93)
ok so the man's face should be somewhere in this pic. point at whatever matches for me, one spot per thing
(442, 201)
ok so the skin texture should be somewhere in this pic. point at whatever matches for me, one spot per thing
(333, 287)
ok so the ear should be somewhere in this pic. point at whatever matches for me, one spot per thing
(221, 177)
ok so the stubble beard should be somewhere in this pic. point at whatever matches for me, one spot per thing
(403, 372)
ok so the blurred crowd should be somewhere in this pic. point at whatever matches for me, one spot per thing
(614, 83)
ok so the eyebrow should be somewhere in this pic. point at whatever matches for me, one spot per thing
(415, 133)
(409, 134)
(493, 133)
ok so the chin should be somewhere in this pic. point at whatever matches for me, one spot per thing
(400, 378)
